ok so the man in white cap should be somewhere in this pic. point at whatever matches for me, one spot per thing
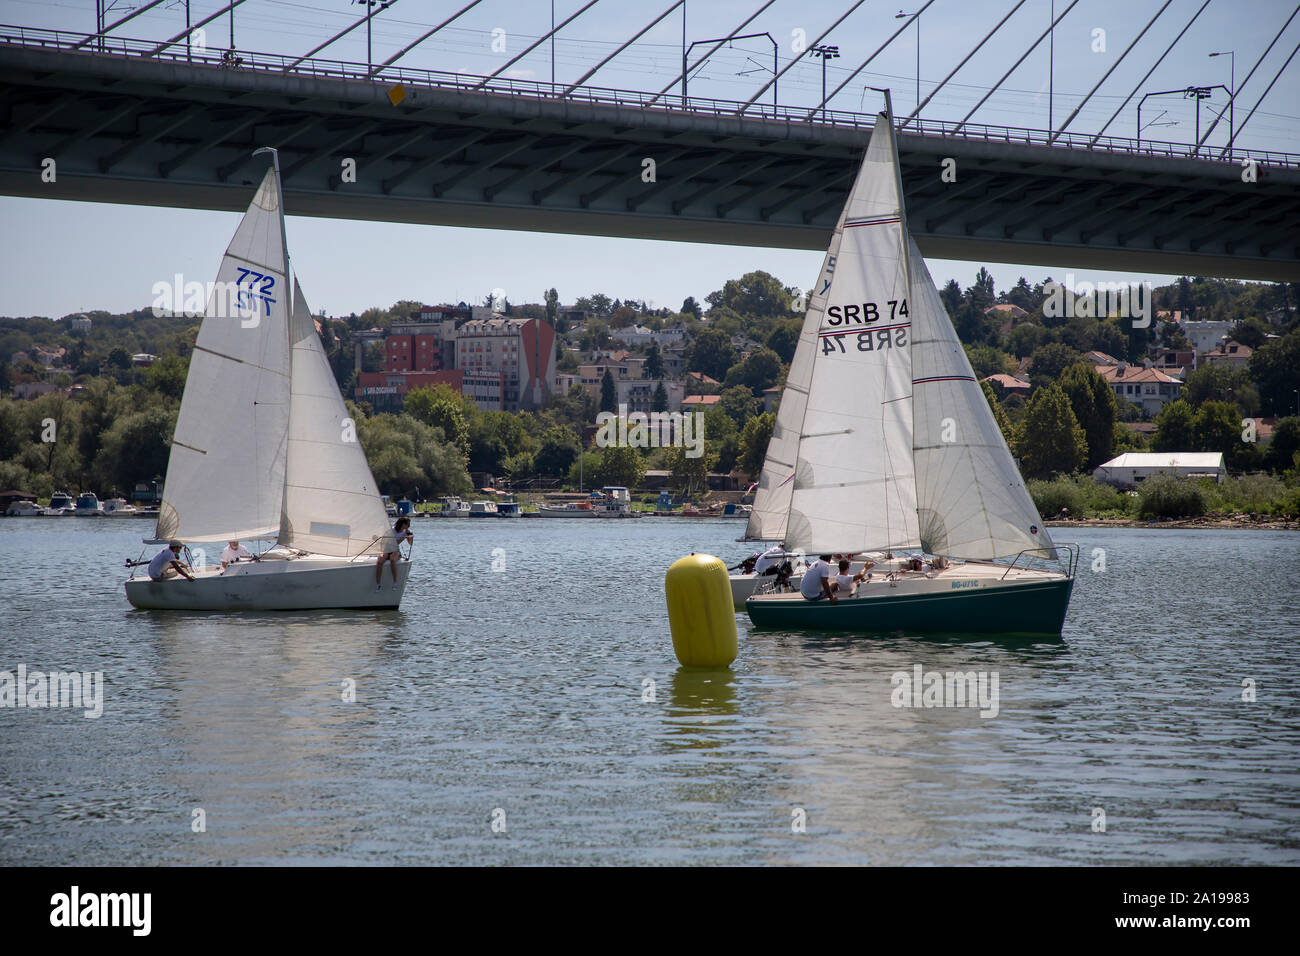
(166, 563)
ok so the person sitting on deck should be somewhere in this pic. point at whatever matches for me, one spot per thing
(401, 532)
(816, 582)
(166, 563)
(234, 551)
(846, 583)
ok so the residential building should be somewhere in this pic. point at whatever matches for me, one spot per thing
(522, 350)
(699, 403)
(80, 323)
(1009, 383)
(674, 359)
(638, 394)
(1176, 362)
(386, 391)
(426, 342)
(33, 389)
(1148, 388)
(1229, 354)
(771, 398)
(143, 359)
(1203, 336)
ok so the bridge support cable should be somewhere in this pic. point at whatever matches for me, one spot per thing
(825, 33)
(338, 36)
(644, 30)
(1120, 59)
(186, 32)
(1243, 83)
(712, 50)
(1015, 66)
(920, 106)
(113, 26)
(1261, 99)
(411, 46)
(540, 40)
(1146, 77)
(863, 65)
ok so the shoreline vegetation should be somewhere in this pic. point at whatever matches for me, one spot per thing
(1244, 501)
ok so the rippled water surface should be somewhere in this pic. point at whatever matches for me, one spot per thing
(522, 692)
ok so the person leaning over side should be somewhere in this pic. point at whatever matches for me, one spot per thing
(166, 563)
(401, 532)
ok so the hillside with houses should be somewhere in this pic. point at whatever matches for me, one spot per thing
(453, 397)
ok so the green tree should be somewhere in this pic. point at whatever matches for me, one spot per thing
(1218, 427)
(739, 404)
(1175, 428)
(986, 360)
(654, 362)
(660, 401)
(552, 305)
(621, 465)
(1282, 449)
(167, 376)
(1275, 370)
(1049, 361)
(689, 474)
(784, 338)
(761, 370)
(753, 442)
(756, 294)
(119, 357)
(608, 394)
(690, 306)
(1093, 404)
(711, 353)
(441, 408)
(557, 453)
(1051, 439)
(999, 413)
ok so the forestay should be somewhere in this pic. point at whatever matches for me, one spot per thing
(225, 476)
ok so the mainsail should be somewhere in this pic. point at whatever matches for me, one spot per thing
(225, 476)
(884, 439)
(331, 502)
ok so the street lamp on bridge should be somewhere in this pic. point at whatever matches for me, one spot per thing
(902, 16)
(370, 12)
(1232, 96)
(826, 53)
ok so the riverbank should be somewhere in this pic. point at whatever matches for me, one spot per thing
(1215, 522)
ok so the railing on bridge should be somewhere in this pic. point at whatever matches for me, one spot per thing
(137, 49)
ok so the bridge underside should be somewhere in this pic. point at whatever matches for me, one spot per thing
(125, 130)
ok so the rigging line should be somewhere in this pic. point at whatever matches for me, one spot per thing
(1260, 100)
(186, 32)
(1121, 106)
(509, 63)
(1050, 27)
(342, 33)
(864, 63)
(1249, 75)
(763, 89)
(920, 106)
(113, 26)
(644, 30)
(1118, 61)
(713, 50)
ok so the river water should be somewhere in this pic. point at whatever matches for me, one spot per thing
(501, 716)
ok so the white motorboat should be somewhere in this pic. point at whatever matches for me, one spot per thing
(884, 441)
(120, 508)
(88, 506)
(483, 509)
(453, 507)
(284, 434)
(566, 509)
(616, 502)
(61, 505)
(22, 508)
(508, 509)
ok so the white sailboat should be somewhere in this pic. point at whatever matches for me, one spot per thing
(264, 448)
(884, 442)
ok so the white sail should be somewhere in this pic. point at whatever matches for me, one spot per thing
(225, 476)
(331, 502)
(767, 519)
(853, 485)
(971, 500)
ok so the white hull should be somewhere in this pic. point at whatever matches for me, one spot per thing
(312, 583)
(545, 512)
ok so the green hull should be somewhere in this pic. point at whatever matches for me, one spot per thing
(1037, 608)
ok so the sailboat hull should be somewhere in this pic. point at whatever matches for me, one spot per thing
(299, 585)
(1023, 606)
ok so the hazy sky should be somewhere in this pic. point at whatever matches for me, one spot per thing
(59, 257)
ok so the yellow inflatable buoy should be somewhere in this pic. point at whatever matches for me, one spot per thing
(701, 614)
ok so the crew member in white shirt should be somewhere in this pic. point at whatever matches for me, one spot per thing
(773, 555)
(234, 551)
(816, 581)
